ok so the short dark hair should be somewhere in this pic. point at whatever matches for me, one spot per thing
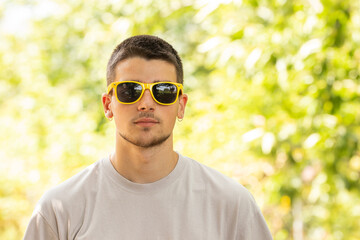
(148, 47)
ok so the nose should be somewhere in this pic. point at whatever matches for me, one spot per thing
(146, 103)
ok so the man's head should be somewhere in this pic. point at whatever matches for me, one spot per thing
(147, 47)
(146, 73)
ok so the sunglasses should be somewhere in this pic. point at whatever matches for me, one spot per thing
(128, 92)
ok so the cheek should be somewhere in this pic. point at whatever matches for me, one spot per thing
(172, 115)
(121, 116)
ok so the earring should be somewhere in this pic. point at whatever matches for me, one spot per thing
(180, 119)
(108, 115)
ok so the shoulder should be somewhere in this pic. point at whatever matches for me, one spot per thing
(217, 183)
(233, 202)
(69, 196)
(76, 184)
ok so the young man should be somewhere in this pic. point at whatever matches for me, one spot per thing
(146, 190)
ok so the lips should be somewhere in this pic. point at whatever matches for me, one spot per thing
(146, 122)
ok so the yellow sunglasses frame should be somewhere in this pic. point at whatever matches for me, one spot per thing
(144, 87)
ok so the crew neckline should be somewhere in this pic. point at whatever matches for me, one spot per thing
(130, 186)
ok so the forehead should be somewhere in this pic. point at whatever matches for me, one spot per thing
(144, 70)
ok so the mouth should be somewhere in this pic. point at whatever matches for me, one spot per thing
(146, 122)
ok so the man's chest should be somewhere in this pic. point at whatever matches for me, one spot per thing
(172, 215)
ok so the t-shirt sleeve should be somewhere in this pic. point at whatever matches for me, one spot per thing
(259, 228)
(253, 224)
(39, 229)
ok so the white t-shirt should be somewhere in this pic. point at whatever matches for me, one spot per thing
(192, 202)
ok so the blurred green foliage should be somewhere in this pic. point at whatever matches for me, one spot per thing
(274, 100)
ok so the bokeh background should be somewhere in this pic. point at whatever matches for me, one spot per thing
(274, 92)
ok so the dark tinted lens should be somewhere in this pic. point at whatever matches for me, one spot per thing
(128, 92)
(165, 92)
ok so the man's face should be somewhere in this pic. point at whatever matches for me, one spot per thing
(145, 123)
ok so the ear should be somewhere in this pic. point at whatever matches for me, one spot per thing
(183, 98)
(106, 101)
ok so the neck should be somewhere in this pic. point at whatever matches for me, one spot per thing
(144, 165)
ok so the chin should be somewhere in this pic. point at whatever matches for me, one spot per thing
(146, 143)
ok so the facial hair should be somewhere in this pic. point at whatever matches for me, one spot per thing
(145, 143)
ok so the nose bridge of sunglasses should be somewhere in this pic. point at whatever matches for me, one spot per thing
(147, 86)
